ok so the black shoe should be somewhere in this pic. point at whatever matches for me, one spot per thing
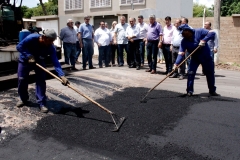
(189, 94)
(138, 68)
(202, 74)
(165, 73)
(175, 75)
(120, 65)
(214, 94)
(43, 109)
(100, 66)
(181, 77)
(132, 66)
(21, 103)
(84, 69)
(92, 67)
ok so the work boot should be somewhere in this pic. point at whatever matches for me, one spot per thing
(43, 109)
(175, 75)
(214, 94)
(21, 104)
(189, 94)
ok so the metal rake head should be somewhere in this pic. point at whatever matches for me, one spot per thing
(118, 121)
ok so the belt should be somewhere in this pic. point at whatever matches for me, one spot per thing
(167, 44)
(176, 47)
(69, 43)
(152, 40)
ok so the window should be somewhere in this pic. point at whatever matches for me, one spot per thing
(73, 5)
(128, 2)
(100, 3)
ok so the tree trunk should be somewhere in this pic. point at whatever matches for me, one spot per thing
(43, 7)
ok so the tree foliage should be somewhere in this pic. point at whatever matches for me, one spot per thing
(51, 9)
(198, 10)
(229, 7)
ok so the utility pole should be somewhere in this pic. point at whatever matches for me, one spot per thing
(216, 27)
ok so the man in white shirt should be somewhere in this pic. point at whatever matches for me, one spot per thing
(132, 34)
(175, 45)
(142, 37)
(121, 40)
(167, 37)
(78, 48)
(102, 37)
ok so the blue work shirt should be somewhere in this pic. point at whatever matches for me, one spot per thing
(30, 46)
(86, 31)
(190, 46)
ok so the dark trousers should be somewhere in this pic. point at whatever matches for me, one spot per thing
(175, 51)
(23, 73)
(134, 54)
(70, 53)
(120, 53)
(205, 60)
(114, 48)
(87, 52)
(152, 51)
(168, 57)
(103, 54)
(142, 50)
(78, 50)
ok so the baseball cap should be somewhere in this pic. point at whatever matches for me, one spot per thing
(50, 33)
(184, 27)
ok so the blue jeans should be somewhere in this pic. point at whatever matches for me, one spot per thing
(78, 50)
(87, 52)
(70, 53)
(142, 50)
(152, 52)
(104, 52)
(168, 57)
(120, 53)
(23, 73)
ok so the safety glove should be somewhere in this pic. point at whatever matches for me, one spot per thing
(65, 81)
(31, 59)
(201, 44)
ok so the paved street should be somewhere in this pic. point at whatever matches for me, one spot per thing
(169, 126)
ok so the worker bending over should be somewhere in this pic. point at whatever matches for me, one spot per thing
(192, 38)
(34, 49)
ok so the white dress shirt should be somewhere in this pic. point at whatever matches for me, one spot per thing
(102, 36)
(176, 38)
(133, 31)
(143, 30)
(77, 30)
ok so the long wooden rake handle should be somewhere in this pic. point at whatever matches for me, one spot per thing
(73, 88)
(171, 72)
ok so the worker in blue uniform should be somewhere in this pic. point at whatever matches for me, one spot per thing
(34, 49)
(192, 38)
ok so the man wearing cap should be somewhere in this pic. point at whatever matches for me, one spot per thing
(68, 35)
(192, 38)
(86, 42)
(33, 49)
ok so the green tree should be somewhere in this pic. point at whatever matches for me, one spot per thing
(229, 7)
(199, 9)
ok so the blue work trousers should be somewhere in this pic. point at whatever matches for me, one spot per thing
(152, 52)
(205, 60)
(120, 54)
(70, 53)
(142, 50)
(104, 53)
(87, 52)
(78, 50)
(168, 57)
(23, 73)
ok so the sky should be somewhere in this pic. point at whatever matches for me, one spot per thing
(33, 3)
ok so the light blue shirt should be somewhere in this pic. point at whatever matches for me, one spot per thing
(68, 35)
(121, 33)
(86, 31)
